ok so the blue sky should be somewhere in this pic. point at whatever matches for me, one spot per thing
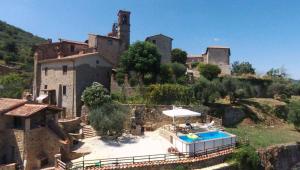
(263, 32)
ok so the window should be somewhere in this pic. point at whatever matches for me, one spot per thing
(124, 19)
(64, 90)
(72, 48)
(45, 86)
(154, 41)
(109, 42)
(46, 71)
(65, 70)
(97, 61)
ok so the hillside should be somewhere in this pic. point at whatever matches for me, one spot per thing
(16, 46)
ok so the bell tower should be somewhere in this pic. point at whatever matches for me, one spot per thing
(124, 27)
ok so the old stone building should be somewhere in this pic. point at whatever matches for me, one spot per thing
(30, 135)
(62, 80)
(216, 55)
(164, 46)
(62, 70)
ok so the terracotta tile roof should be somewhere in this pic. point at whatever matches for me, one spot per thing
(8, 104)
(26, 110)
(29, 109)
(74, 57)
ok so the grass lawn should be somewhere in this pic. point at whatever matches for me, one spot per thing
(263, 136)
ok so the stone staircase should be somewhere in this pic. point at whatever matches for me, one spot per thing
(88, 131)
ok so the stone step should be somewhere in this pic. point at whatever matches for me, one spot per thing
(88, 131)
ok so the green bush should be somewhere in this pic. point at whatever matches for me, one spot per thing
(194, 64)
(95, 95)
(294, 113)
(108, 119)
(280, 90)
(247, 158)
(209, 71)
(206, 91)
(12, 86)
(169, 94)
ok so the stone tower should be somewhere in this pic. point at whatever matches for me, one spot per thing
(124, 28)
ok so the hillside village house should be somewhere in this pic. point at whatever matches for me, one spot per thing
(164, 46)
(216, 55)
(29, 134)
(62, 70)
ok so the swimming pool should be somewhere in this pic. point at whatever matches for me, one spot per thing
(206, 141)
(205, 136)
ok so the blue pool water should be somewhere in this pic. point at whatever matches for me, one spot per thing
(205, 136)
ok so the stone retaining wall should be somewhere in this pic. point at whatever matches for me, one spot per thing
(280, 157)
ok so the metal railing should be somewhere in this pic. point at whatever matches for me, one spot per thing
(81, 165)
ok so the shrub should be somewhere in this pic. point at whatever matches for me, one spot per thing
(108, 119)
(247, 158)
(194, 64)
(169, 94)
(120, 76)
(236, 89)
(206, 91)
(242, 68)
(178, 69)
(166, 73)
(280, 90)
(294, 113)
(95, 95)
(209, 71)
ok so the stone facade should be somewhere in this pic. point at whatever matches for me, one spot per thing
(62, 70)
(216, 55)
(67, 86)
(29, 134)
(164, 46)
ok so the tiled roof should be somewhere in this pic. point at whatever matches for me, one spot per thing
(18, 107)
(26, 110)
(8, 104)
(217, 47)
(74, 57)
(158, 35)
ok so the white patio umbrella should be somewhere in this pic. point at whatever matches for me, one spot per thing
(179, 112)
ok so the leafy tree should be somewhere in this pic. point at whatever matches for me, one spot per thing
(166, 73)
(296, 89)
(108, 119)
(11, 86)
(206, 91)
(242, 68)
(294, 113)
(179, 56)
(280, 89)
(172, 72)
(178, 69)
(141, 58)
(95, 95)
(209, 71)
(277, 73)
(236, 89)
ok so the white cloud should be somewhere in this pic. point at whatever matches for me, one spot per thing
(216, 39)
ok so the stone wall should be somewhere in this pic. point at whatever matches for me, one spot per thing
(41, 143)
(70, 125)
(232, 116)
(280, 157)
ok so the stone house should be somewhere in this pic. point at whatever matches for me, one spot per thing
(30, 135)
(62, 80)
(216, 55)
(164, 46)
(62, 70)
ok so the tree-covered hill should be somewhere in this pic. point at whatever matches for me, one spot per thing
(16, 46)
